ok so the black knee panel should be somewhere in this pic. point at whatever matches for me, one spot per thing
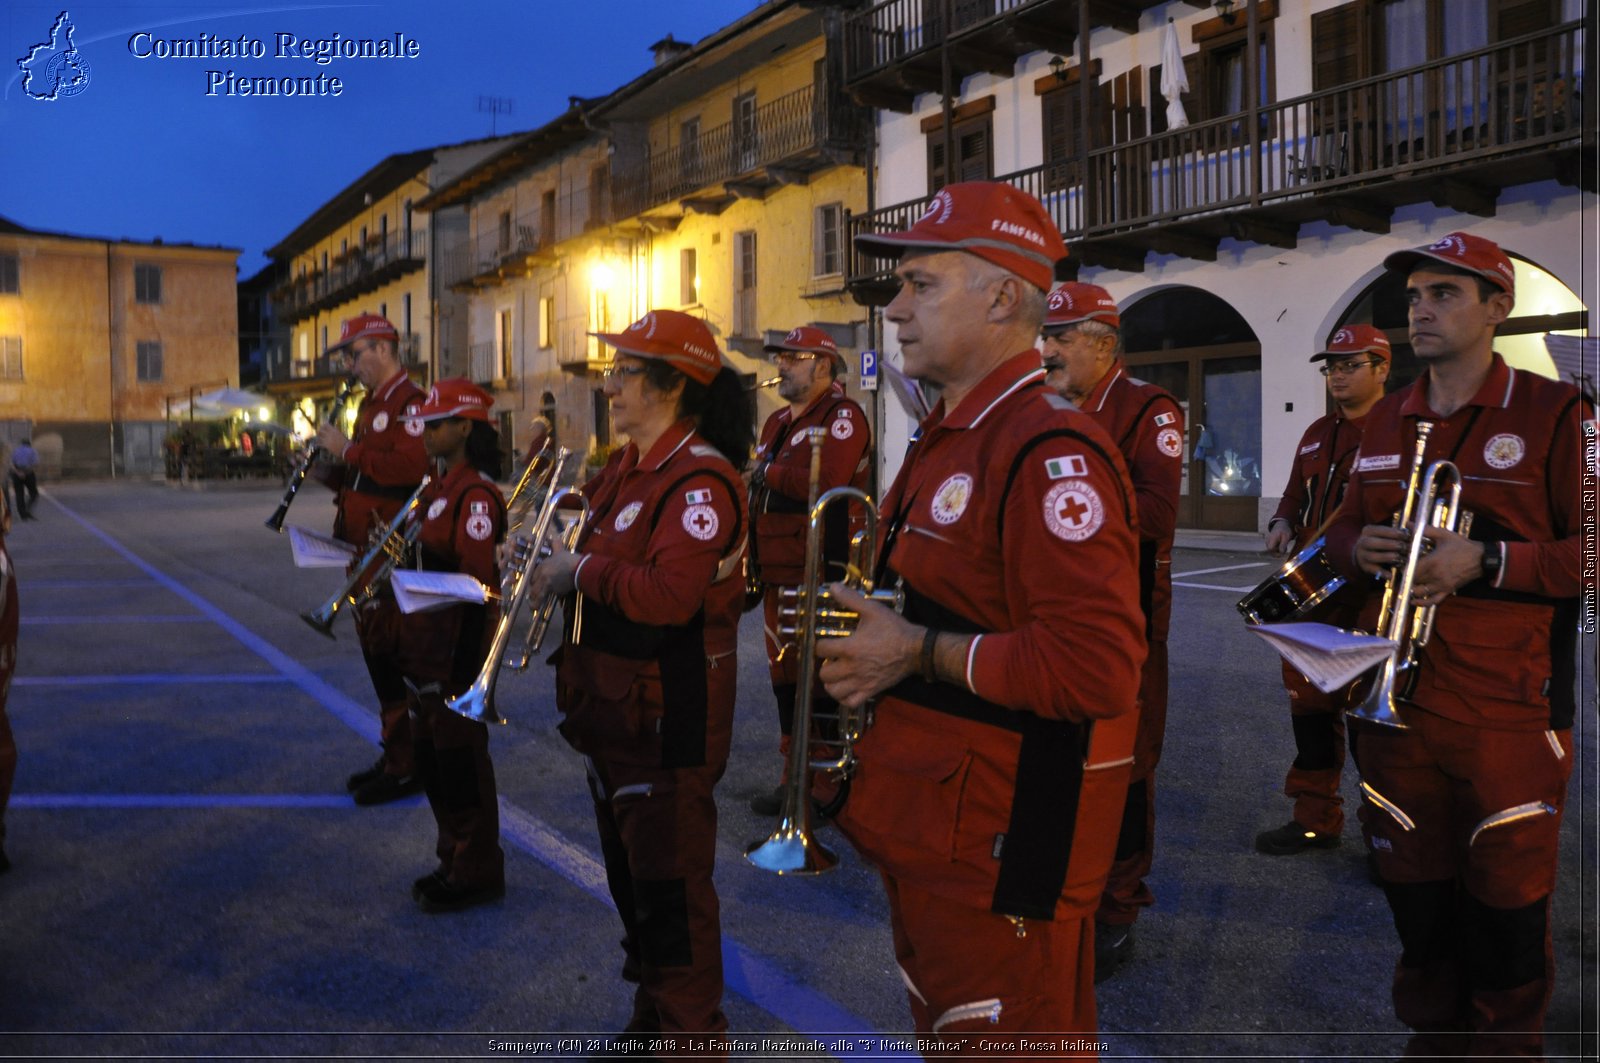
(1424, 917)
(456, 780)
(1505, 946)
(661, 909)
(1315, 741)
(1135, 818)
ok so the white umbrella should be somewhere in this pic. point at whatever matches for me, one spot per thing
(1174, 82)
(229, 399)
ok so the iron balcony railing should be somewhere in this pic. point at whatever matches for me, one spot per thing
(496, 245)
(792, 125)
(899, 30)
(1451, 115)
(351, 270)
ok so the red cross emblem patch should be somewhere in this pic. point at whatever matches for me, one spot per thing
(1073, 510)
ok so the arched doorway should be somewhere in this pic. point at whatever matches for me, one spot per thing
(1201, 350)
(1544, 305)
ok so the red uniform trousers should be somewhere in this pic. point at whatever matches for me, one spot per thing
(1312, 782)
(1470, 883)
(9, 625)
(452, 754)
(377, 629)
(1125, 891)
(967, 972)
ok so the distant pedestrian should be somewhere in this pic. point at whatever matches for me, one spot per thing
(25, 478)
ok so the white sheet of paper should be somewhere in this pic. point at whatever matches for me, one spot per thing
(1328, 656)
(315, 550)
(908, 391)
(417, 592)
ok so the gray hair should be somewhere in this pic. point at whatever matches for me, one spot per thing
(1100, 328)
(1031, 309)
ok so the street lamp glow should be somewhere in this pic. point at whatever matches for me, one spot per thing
(600, 275)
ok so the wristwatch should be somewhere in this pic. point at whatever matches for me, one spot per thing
(1493, 556)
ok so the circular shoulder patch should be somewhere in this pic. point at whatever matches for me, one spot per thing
(1504, 450)
(413, 428)
(950, 500)
(700, 521)
(479, 527)
(380, 420)
(841, 428)
(625, 519)
(1170, 440)
(1073, 510)
(437, 508)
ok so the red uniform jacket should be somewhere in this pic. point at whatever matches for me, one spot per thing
(1011, 518)
(1146, 423)
(779, 511)
(657, 607)
(383, 463)
(1317, 482)
(1501, 656)
(463, 516)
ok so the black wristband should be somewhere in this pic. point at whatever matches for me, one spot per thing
(1491, 562)
(929, 639)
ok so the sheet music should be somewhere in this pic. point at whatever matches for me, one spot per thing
(315, 550)
(908, 391)
(1577, 359)
(1328, 656)
(417, 592)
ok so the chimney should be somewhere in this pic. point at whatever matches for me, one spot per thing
(667, 49)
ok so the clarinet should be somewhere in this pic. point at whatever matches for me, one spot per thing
(298, 476)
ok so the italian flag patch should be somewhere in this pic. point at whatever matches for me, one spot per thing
(698, 498)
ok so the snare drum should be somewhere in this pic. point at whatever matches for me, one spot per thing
(1304, 583)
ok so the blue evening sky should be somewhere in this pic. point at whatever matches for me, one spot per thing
(142, 151)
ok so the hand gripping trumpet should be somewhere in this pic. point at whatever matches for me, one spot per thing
(811, 612)
(389, 545)
(298, 475)
(1407, 626)
(477, 701)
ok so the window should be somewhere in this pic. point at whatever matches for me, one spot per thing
(147, 284)
(744, 284)
(1367, 37)
(974, 144)
(10, 275)
(827, 241)
(149, 359)
(505, 343)
(599, 194)
(547, 217)
(688, 277)
(547, 322)
(602, 417)
(505, 231)
(746, 130)
(405, 314)
(689, 150)
(1216, 74)
(10, 357)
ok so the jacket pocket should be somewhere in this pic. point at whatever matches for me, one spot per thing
(1481, 653)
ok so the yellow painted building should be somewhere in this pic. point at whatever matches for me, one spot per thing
(100, 339)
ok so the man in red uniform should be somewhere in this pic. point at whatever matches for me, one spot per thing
(374, 474)
(990, 786)
(809, 366)
(9, 626)
(1082, 339)
(1357, 366)
(1462, 807)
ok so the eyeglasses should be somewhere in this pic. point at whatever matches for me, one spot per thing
(1345, 368)
(793, 356)
(618, 372)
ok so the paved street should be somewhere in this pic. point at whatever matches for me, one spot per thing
(191, 879)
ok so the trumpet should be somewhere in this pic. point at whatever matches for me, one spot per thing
(388, 545)
(792, 848)
(537, 476)
(477, 701)
(1409, 627)
(298, 475)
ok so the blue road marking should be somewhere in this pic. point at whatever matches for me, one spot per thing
(145, 679)
(341, 801)
(183, 618)
(746, 972)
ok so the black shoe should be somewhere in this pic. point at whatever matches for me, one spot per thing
(1113, 947)
(425, 883)
(386, 788)
(445, 896)
(768, 804)
(1292, 838)
(364, 776)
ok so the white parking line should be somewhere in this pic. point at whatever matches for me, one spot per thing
(1224, 568)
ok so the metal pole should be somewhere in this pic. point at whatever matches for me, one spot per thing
(952, 172)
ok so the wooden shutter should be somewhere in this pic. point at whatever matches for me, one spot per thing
(1513, 18)
(1340, 53)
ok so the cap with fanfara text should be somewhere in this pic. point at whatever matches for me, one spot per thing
(1464, 251)
(364, 326)
(993, 220)
(809, 339)
(1356, 339)
(455, 397)
(1075, 302)
(681, 340)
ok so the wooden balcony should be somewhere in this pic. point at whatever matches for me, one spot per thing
(1454, 132)
(359, 271)
(896, 49)
(791, 138)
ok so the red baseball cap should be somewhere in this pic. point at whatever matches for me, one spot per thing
(993, 220)
(361, 327)
(679, 339)
(813, 340)
(1464, 251)
(455, 397)
(1075, 302)
(1356, 339)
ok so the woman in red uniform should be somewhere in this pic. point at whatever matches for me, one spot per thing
(463, 518)
(646, 671)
